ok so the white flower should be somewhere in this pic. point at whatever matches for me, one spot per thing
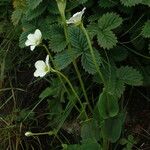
(42, 68)
(76, 18)
(34, 39)
(28, 133)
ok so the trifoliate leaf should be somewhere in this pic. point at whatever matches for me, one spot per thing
(146, 30)
(109, 21)
(130, 76)
(88, 63)
(130, 3)
(106, 39)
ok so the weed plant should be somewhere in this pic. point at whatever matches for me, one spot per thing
(69, 70)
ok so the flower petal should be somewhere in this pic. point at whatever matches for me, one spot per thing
(70, 21)
(76, 17)
(40, 65)
(31, 37)
(39, 73)
(32, 47)
(38, 34)
(28, 43)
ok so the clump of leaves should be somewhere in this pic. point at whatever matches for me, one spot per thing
(113, 27)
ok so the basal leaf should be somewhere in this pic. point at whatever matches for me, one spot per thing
(108, 105)
(111, 129)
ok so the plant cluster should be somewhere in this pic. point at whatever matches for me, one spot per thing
(94, 51)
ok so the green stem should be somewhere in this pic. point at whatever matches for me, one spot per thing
(92, 52)
(51, 58)
(59, 75)
(69, 83)
(135, 52)
(74, 63)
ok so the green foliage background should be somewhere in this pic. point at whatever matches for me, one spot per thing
(119, 31)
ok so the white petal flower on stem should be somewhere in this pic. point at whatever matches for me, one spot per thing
(76, 18)
(34, 39)
(28, 133)
(42, 68)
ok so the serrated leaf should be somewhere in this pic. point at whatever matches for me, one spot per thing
(130, 3)
(52, 7)
(57, 40)
(88, 63)
(64, 58)
(92, 29)
(57, 43)
(78, 39)
(106, 39)
(146, 30)
(109, 21)
(116, 87)
(130, 76)
(32, 14)
(108, 105)
(32, 4)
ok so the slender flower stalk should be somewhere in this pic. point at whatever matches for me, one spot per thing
(59, 75)
(76, 95)
(76, 19)
(28, 134)
(36, 134)
(92, 52)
